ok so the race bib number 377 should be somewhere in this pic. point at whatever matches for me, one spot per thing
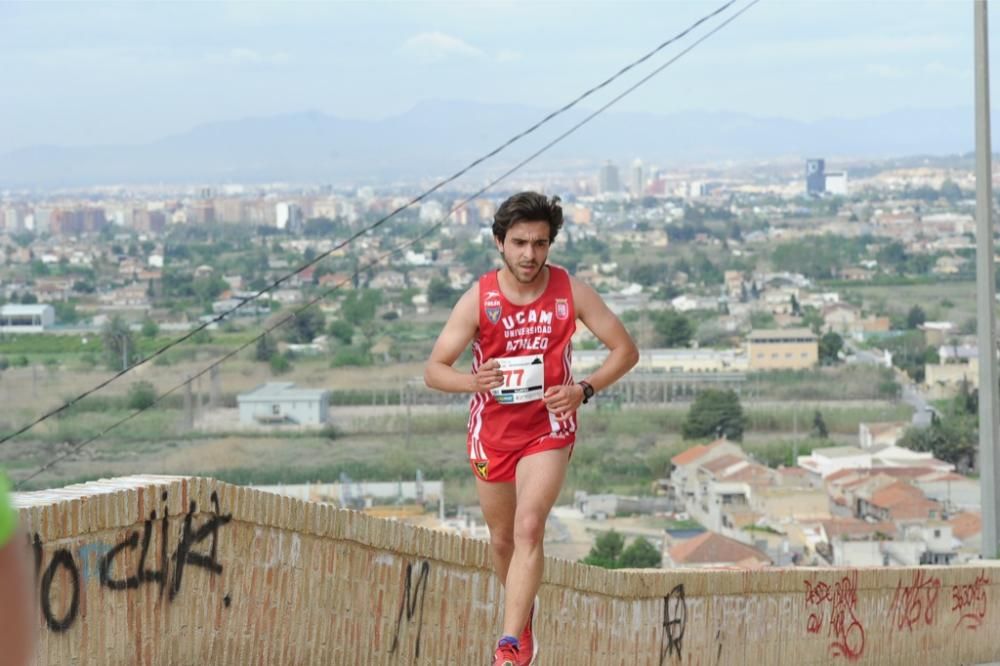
(523, 379)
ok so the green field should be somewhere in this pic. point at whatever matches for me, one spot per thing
(933, 298)
(617, 451)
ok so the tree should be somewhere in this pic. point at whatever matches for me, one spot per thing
(819, 426)
(208, 288)
(280, 364)
(342, 330)
(360, 305)
(829, 348)
(640, 554)
(915, 317)
(608, 553)
(794, 304)
(606, 550)
(66, 312)
(323, 227)
(892, 256)
(150, 329)
(440, 292)
(84, 286)
(812, 318)
(762, 319)
(647, 275)
(951, 191)
(715, 413)
(673, 328)
(265, 349)
(306, 325)
(350, 356)
(119, 347)
(141, 395)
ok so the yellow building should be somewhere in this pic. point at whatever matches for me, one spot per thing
(944, 380)
(790, 349)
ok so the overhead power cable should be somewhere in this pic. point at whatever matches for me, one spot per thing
(374, 225)
(426, 233)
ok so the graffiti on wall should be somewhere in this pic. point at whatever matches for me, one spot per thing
(674, 624)
(411, 604)
(835, 607)
(914, 604)
(969, 602)
(197, 546)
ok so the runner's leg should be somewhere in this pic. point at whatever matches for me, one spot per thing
(539, 480)
(497, 500)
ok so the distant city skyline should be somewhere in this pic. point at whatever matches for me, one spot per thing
(102, 73)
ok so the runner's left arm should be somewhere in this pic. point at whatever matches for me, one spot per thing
(603, 323)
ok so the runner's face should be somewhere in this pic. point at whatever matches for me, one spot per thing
(525, 250)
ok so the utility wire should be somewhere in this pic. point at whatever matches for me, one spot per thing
(426, 233)
(374, 225)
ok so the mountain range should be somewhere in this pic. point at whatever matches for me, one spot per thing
(436, 138)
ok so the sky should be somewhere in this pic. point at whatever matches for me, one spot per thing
(85, 73)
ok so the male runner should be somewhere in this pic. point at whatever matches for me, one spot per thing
(16, 606)
(522, 421)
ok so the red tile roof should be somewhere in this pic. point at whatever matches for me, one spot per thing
(852, 527)
(712, 548)
(689, 456)
(903, 501)
(966, 524)
(722, 462)
(750, 473)
(694, 453)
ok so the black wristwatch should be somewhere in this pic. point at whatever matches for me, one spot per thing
(588, 392)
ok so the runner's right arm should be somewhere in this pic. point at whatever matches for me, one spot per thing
(458, 332)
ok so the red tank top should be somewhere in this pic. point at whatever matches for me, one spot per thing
(533, 344)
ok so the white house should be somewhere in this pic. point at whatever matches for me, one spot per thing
(826, 461)
(26, 318)
(281, 403)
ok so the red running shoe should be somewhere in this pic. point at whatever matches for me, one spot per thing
(506, 655)
(529, 649)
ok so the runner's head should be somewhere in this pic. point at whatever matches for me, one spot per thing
(524, 227)
(527, 207)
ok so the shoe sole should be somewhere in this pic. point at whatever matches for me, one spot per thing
(534, 641)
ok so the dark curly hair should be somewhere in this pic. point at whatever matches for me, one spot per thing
(528, 207)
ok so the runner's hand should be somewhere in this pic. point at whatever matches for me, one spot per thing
(488, 377)
(563, 400)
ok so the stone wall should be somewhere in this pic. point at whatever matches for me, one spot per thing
(171, 570)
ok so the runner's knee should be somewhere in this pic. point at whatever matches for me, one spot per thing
(529, 529)
(502, 543)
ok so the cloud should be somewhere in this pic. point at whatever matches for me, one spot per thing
(872, 46)
(431, 47)
(940, 69)
(244, 56)
(883, 71)
(507, 55)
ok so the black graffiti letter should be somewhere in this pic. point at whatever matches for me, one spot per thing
(411, 598)
(184, 555)
(108, 561)
(145, 574)
(36, 549)
(62, 558)
(674, 623)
